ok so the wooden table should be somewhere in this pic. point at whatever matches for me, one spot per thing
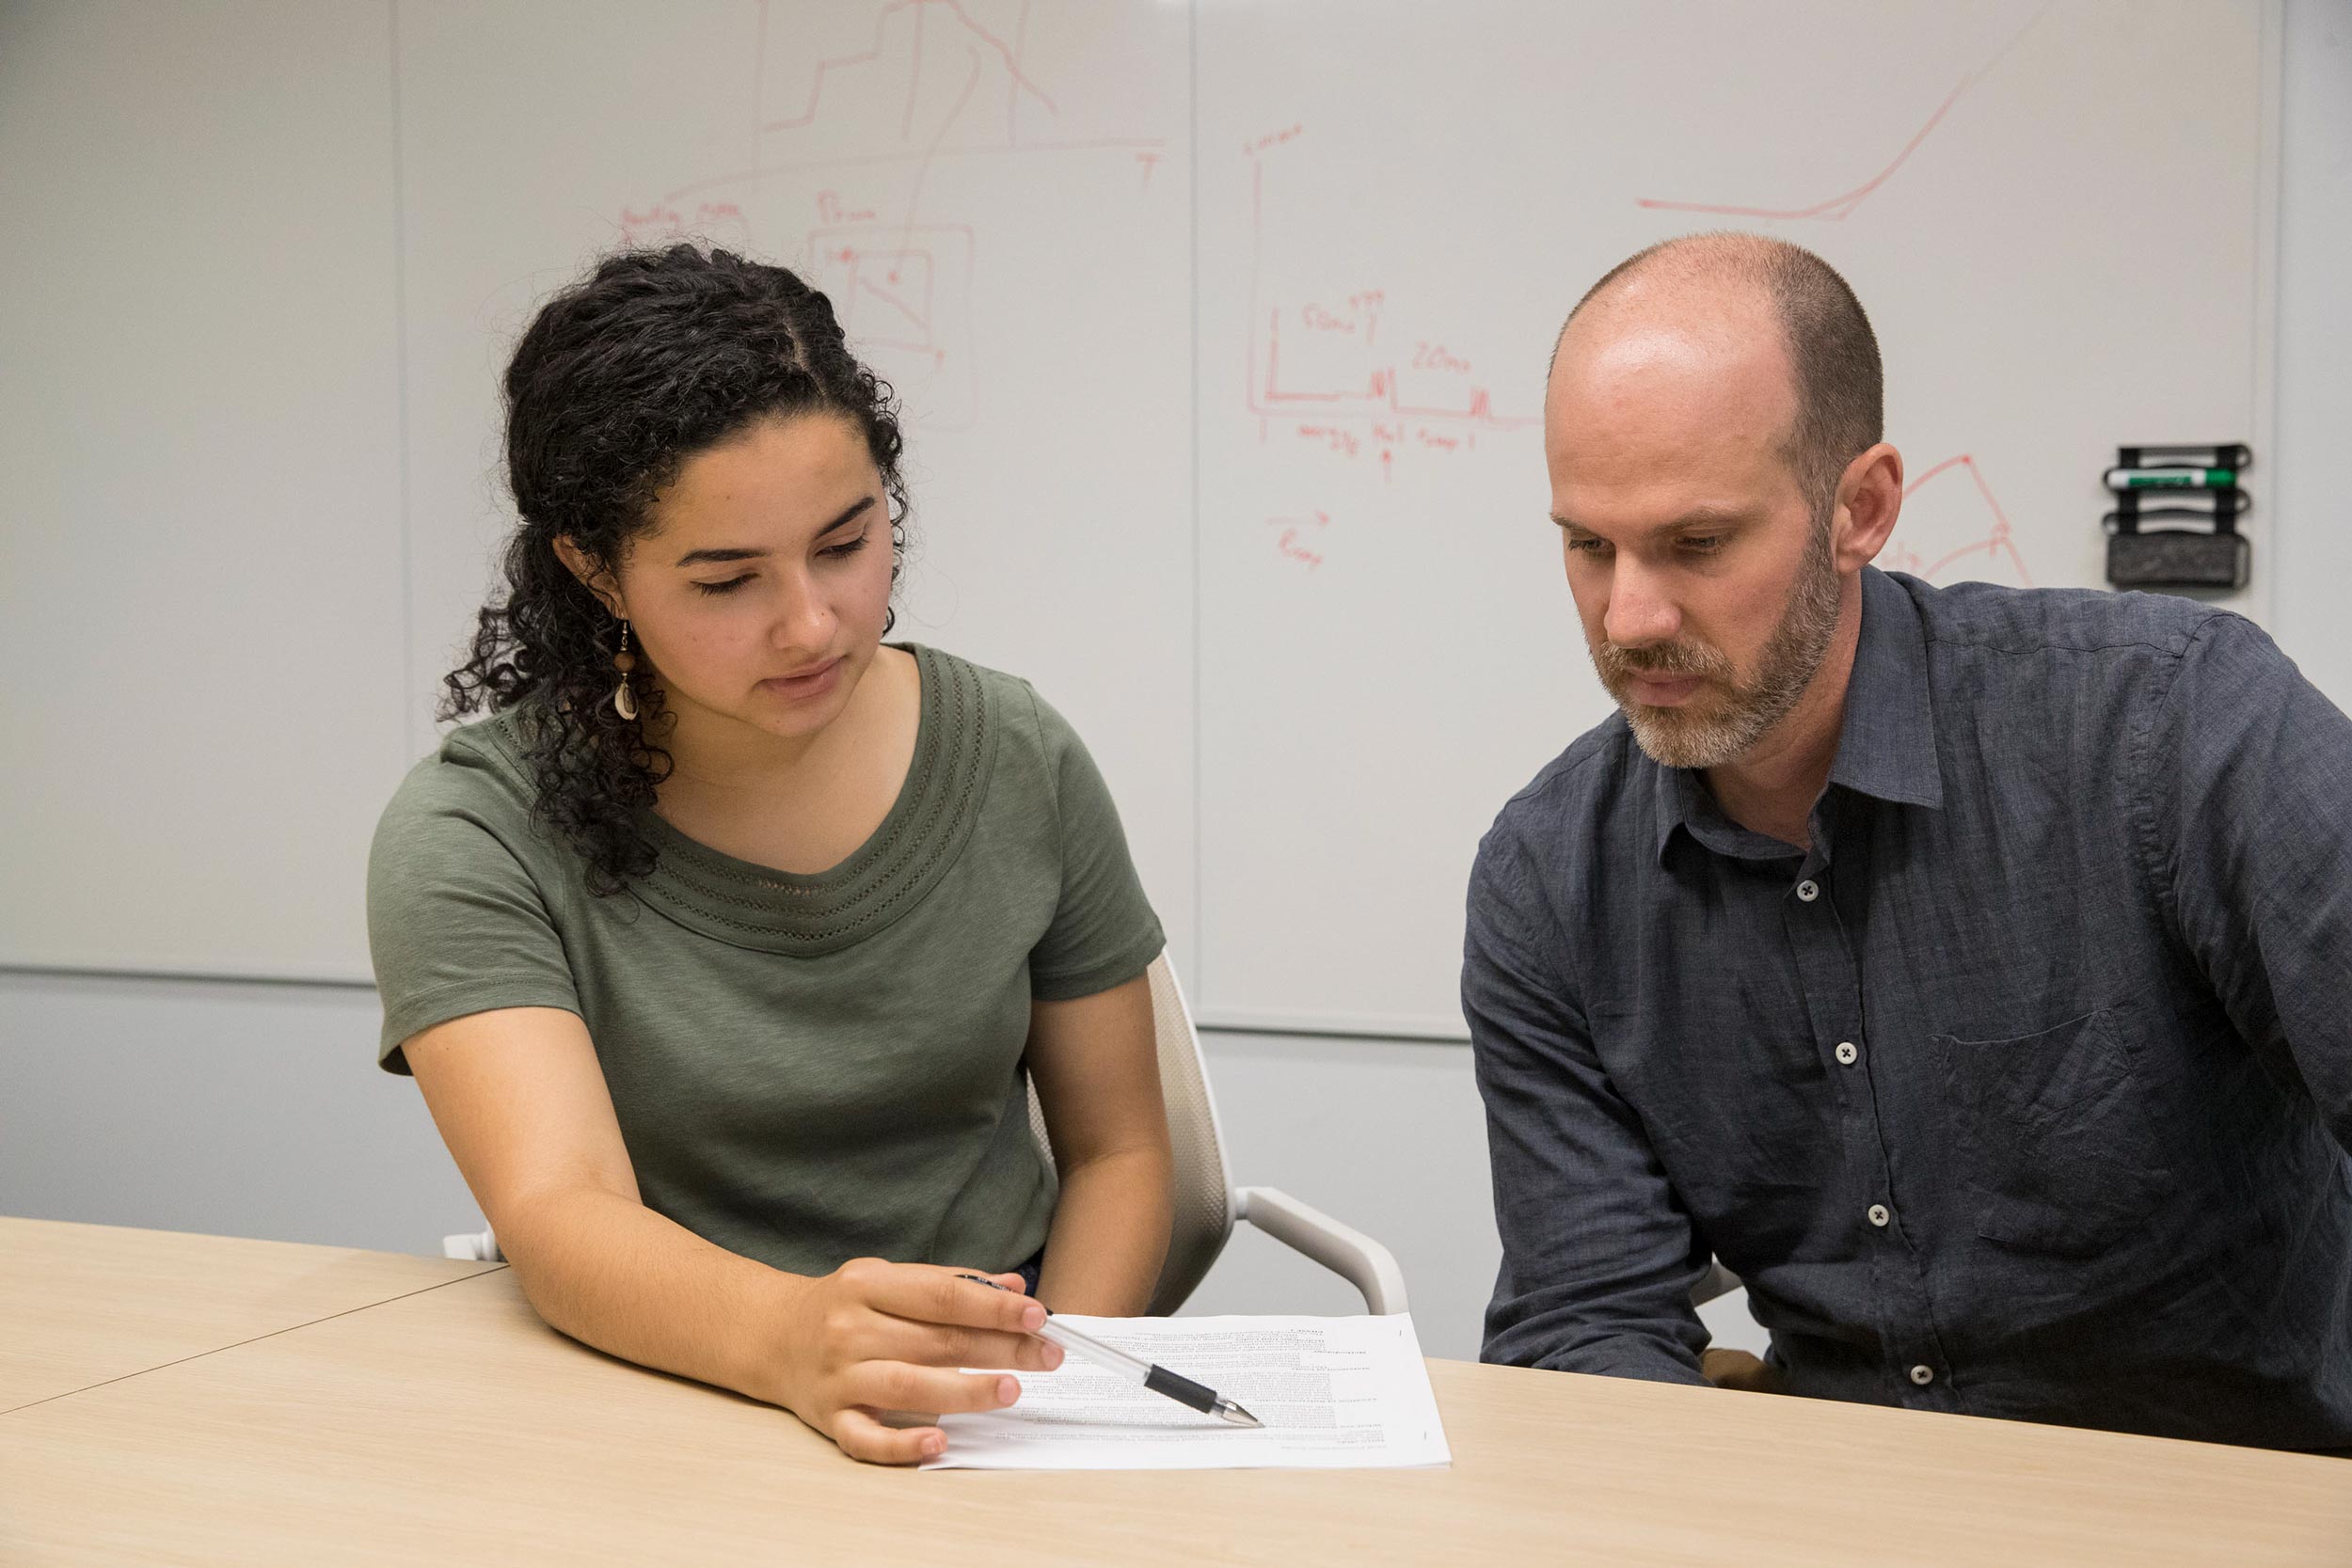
(84, 1303)
(449, 1425)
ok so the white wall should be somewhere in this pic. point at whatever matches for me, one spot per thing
(257, 1110)
(248, 1109)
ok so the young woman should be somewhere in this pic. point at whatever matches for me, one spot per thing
(723, 947)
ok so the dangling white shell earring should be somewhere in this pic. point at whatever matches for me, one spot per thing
(625, 699)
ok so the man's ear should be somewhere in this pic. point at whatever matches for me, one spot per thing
(597, 579)
(1869, 498)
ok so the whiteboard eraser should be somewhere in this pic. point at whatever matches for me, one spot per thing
(2178, 558)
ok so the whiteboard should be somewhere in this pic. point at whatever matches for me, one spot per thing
(1220, 330)
(200, 610)
(1396, 215)
(994, 215)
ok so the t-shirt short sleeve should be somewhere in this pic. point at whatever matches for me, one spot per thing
(456, 925)
(1103, 931)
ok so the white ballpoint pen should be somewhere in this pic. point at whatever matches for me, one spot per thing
(1135, 1370)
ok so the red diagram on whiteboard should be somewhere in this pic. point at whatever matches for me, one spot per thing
(904, 296)
(1997, 547)
(1321, 369)
(888, 96)
(974, 36)
(1837, 207)
(843, 151)
(889, 286)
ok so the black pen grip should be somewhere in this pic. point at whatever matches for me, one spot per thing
(1182, 1389)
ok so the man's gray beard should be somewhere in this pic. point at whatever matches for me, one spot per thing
(1676, 738)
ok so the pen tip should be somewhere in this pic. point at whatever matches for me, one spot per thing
(1237, 1415)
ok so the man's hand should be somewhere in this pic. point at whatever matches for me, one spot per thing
(1737, 1369)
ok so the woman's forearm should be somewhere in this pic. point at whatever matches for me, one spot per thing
(1109, 1235)
(611, 1273)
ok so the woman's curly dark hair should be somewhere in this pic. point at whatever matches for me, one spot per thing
(654, 356)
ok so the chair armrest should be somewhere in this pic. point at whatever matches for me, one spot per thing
(1720, 1281)
(1350, 1254)
(474, 1246)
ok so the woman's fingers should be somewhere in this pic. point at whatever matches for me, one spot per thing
(897, 1385)
(860, 1436)
(943, 1345)
(896, 1331)
(927, 1294)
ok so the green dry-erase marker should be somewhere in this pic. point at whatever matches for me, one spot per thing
(2170, 479)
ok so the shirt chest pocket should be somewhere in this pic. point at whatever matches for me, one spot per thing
(2056, 1140)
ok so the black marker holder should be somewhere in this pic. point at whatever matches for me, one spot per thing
(2213, 557)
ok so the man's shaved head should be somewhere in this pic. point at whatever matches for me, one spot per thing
(1838, 386)
(1709, 400)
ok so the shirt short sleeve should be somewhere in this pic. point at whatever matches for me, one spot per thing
(456, 925)
(1103, 931)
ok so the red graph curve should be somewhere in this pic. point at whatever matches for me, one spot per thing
(1837, 208)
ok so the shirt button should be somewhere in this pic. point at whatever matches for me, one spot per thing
(1846, 1053)
(1879, 1214)
(1808, 890)
(1923, 1375)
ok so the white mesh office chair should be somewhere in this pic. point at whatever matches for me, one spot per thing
(1206, 1202)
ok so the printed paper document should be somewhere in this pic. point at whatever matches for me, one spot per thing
(1334, 1393)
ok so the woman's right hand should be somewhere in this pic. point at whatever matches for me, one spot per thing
(873, 1338)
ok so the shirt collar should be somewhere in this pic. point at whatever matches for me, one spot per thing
(1886, 739)
(1887, 746)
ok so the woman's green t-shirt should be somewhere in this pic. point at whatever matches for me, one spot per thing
(806, 1069)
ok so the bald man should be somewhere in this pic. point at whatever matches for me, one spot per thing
(1969, 969)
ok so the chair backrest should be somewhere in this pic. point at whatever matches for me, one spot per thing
(1204, 1188)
